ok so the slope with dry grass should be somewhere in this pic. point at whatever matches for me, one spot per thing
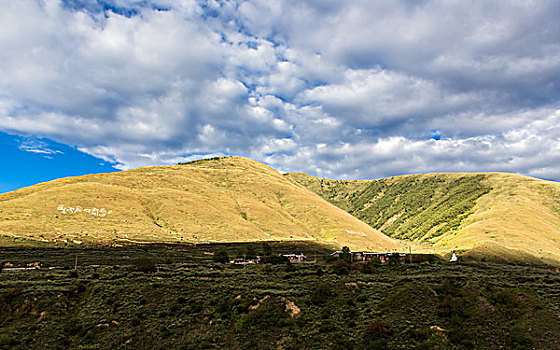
(489, 214)
(217, 200)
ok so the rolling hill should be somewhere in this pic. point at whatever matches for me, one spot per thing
(217, 200)
(487, 215)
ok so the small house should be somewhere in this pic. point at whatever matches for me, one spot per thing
(242, 261)
(383, 257)
(367, 256)
(295, 258)
(355, 256)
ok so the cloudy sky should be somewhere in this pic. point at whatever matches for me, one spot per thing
(338, 89)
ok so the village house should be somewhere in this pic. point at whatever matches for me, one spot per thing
(296, 258)
(243, 261)
(367, 256)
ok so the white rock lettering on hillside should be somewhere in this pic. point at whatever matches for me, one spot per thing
(77, 210)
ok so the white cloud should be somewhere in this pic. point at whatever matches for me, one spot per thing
(376, 97)
(39, 147)
(351, 89)
(536, 146)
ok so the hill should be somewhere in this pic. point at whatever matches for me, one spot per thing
(487, 214)
(216, 200)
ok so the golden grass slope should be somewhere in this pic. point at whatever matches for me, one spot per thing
(519, 214)
(219, 200)
(518, 217)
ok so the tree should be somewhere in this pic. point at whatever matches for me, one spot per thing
(346, 254)
(144, 263)
(251, 254)
(267, 249)
(221, 256)
(275, 259)
(394, 259)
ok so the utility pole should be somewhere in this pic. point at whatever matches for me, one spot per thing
(76, 263)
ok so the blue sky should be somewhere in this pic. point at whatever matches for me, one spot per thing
(28, 161)
(360, 89)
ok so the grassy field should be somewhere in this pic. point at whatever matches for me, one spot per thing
(190, 302)
(490, 214)
(216, 200)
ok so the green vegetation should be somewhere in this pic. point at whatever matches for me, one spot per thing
(144, 263)
(192, 302)
(406, 207)
(489, 215)
(221, 256)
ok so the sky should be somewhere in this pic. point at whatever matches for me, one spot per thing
(337, 89)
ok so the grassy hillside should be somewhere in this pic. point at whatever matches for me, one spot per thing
(218, 200)
(488, 214)
(190, 303)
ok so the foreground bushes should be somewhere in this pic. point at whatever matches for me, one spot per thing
(144, 263)
(210, 306)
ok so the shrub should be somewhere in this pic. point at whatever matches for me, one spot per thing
(267, 249)
(394, 259)
(341, 267)
(375, 262)
(270, 313)
(251, 254)
(144, 263)
(320, 294)
(365, 268)
(221, 256)
(519, 337)
(80, 287)
(275, 259)
(376, 335)
(290, 267)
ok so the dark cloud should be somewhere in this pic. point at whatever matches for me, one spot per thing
(338, 89)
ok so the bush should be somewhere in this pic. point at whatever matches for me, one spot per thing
(341, 267)
(269, 314)
(519, 337)
(376, 335)
(370, 266)
(394, 259)
(144, 263)
(320, 294)
(251, 254)
(267, 249)
(221, 256)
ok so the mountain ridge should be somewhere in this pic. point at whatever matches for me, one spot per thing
(234, 199)
(217, 200)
